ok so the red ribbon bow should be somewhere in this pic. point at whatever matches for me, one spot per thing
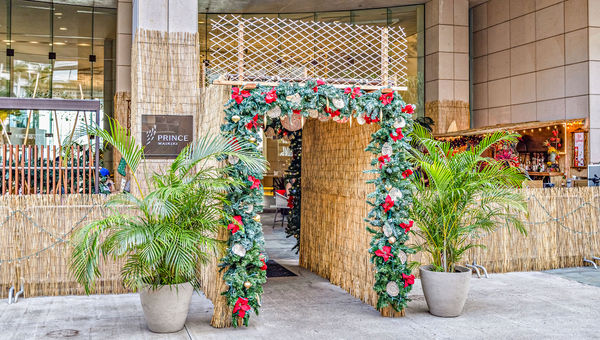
(396, 135)
(408, 279)
(368, 120)
(238, 95)
(353, 92)
(382, 160)
(241, 307)
(408, 109)
(253, 123)
(255, 182)
(264, 266)
(407, 173)
(331, 112)
(385, 252)
(235, 227)
(389, 203)
(290, 202)
(407, 226)
(271, 96)
(386, 98)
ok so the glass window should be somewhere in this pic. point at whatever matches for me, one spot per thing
(4, 60)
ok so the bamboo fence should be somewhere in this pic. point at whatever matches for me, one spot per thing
(34, 248)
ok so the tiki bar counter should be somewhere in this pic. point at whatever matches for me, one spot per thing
(552, 153)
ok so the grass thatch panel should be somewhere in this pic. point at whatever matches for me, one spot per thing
(33, 226)
(334, 242)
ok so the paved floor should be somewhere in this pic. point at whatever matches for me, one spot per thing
(532, 305)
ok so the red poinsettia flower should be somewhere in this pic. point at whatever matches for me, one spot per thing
(238, 95)
(408, 279)
(407, 173)
(386, 98)
(290, 202)
(331, 112)
(385, 252)
(271, 96)
(555, 133)
(396, 135)
(353, 92)
(296, 112)
(235, 227)
(382, 160)
(368, 120)
(255, 182)
(253, 123)
(407, 226)
(408, 109)
(241, 307)
(264, 266)
(388, 204)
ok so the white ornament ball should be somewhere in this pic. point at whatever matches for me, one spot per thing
(392, 289)
(295, 98)
(338, 103)
(399, 123)
(392, 239)
(235, 118)
(249, 209)
(274, 112)
(312, 113)
(386, 149)
(402, 257)
(395, 193)
(387, 230)
(238, 250)
(252, 139)
(233, 159)
(360, 119)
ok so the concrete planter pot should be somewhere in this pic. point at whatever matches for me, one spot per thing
(445, 293)
(166, 308)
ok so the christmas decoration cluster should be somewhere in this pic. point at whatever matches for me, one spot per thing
(284, 108)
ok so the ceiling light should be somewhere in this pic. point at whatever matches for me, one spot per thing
(83, 44)
(33, 42)
(62, 28)
(59, 43)
(8, 41)
(58, 13)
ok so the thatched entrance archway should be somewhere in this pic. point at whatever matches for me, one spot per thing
(335, 244)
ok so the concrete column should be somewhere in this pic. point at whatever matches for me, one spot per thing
(447, 64)
(594, 79)
(123, 62)
(166, 15)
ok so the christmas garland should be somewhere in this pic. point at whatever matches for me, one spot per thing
(294, 175)
(248, 111)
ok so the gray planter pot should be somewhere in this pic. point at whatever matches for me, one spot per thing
(445, 293)
(166, 308)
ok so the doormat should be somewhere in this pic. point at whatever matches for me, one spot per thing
(274, 269)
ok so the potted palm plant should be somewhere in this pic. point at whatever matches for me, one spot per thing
(459, 196)
(164, 233)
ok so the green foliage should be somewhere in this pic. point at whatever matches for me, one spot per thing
(461, 195)
(167, 234)
(294, 174)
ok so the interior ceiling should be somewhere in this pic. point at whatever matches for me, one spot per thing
(271, 6)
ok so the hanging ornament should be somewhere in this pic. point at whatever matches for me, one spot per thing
(247, 284)
(249, 208)
(388, 187)
(233, 159)
(252, 139)
(386, 149)
(392, 239)
(274, 112)
(312, 113)
(387, 230)
(235, 118)
(292, 123)
(395, 194)
(256, 218)
(399, 123)
(402, 257)
(338, 103)
(295, 98)
(392, 289)
(238, 250)
(360, 119)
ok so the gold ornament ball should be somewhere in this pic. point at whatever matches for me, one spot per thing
(235, 118)
(256, 218)
(247, 284)
(252, 139)
(392, 240)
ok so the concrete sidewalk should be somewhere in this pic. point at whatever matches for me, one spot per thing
(531, 305)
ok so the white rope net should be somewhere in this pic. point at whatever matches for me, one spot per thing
(274, 49)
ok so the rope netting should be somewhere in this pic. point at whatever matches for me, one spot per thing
(262, 49)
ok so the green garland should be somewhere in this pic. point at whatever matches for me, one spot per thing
(247, 111)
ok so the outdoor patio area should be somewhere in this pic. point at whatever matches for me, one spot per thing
(514, 305)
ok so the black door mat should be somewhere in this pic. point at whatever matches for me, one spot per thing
(274, 269)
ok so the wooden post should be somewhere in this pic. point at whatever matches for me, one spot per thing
(241, 51)
(3, 169)
(47, 169)
(35, 167)
(384, 56)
